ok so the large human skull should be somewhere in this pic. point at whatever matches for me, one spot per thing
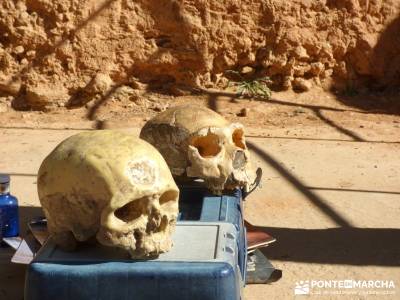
(111, 186)
(198, 142)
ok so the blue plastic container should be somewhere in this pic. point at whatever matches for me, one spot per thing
(207, 261)
(9, 221)
(196, 203)
(202, 265)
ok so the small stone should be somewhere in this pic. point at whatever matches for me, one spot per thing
(317, 68)
(299, 110)
(3, 107)
(100, 84)
(26, 116)
(46, 96)
(287, 82)
(137, 85)
(19, 50)
(244, 112)
(247, 70)
(123, 93)
(10, 86)
(159, 107)
(31, 54)
(301, 84)
(301, 53)
(327, 73)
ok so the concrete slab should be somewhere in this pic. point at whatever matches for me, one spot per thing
(333, 206)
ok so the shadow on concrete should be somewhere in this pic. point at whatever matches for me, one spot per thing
(315, 139)
(351, 134)
(318, 112)
(346, 245)
(317, 107)
(351, 190)
(212, 103)
(374, 102)
(316, 200)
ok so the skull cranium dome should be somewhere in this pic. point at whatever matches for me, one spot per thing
(111, 186)
(198, 142)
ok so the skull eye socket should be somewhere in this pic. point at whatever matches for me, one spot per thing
(208, 146)
(168, 196)
(238, 138)
(132, 210)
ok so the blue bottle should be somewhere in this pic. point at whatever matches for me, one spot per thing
(9, 221)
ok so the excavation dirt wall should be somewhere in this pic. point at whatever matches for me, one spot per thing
(60, 52)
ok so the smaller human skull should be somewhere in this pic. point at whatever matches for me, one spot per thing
(197, 142)
(111, 186)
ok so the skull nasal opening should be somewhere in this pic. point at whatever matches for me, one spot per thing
(239, 161)
(132, 210)
(208, 146)
(238, 138)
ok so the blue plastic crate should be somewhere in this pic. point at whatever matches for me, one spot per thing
(196, 203)
(203, 264)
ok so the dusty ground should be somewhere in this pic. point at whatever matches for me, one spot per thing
(331, 189)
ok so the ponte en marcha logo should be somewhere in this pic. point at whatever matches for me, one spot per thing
(305, 287)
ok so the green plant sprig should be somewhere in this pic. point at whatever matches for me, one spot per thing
(253, 88)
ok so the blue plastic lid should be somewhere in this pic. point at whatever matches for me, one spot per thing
(4, 178)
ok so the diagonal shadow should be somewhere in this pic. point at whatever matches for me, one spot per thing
(91, 115)
(314, 139)
(351, 190)
(73, 32)
(44, 54)
(322, 107)
(345, 131)
(311, 196)
(212, 104)
(212, 97)
(287, 103)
